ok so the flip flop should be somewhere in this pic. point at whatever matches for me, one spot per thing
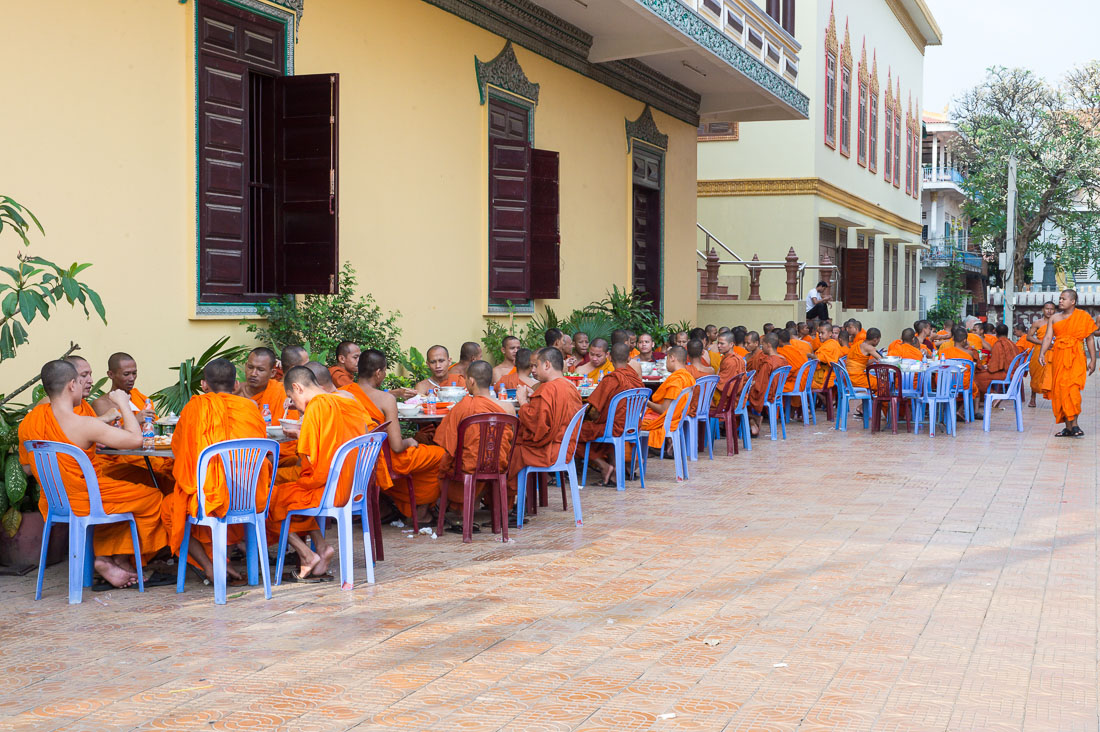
(457, 529)
(104, 586)
(1078, 432)
(159, 579)
(295, 578)
(1067, 432)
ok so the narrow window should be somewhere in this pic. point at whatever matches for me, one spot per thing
(830, 99)
(872, 135)
(897, 148)
(846, 111)
(888, 158)
(861, 122)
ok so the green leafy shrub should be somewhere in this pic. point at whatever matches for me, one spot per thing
(173, 398)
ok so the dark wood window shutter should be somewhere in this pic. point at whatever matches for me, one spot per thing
(307, 251)
(854, 279)
(545, 232)
(509, 219)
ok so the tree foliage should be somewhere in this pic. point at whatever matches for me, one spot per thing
(1054, 132)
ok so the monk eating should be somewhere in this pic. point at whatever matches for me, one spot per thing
(1000, 358)
(439, 365)
(712, 336)
(963, 351)
(59, 422)
(467, 354)
(695, 365)
(480, 400)
(347, 364)
(260, 386)
(521, 377)
(595, 418)
(599, 365)
(580, 347)
(906, 346)
(419, 462)
(507, 365)
(767, 362)
(768, 328)
(923, 330)
(214, 416)
(1061, 352)
(731, 365)
(1040, 378)
(665, 396)
(326, 426)
(795, 358)
(829, 352)
(543, 416)
(989, 336)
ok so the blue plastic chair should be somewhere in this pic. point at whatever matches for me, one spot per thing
(845, 393)
(941, 388)
(679, 436)
(241, 460)
(81, 553)
(368, 447)
(563, 464)
(703, 395)
(742, 410)
(1023, 359)
(1013, 393)
(966, 392)
(803, 390)
(632, 402)
(773, 401)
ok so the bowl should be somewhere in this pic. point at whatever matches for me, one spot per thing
(408, 410)
(451, 393)
(295, 423)
(586, 391)
(648, 367)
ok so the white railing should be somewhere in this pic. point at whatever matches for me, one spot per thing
(941, 174)
(750, 27)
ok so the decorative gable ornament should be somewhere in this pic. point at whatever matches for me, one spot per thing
(504, 72)
(644, 129)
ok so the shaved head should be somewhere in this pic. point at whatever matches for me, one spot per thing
(56, 376)
(114, 363)
(320, 373)
(220, 376)
(261, 352)
(293, 356)
(620, 354)
(481, 373)
(300, 375)
(469, 351)
(371, 362)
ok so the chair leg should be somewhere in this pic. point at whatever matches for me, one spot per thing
(219, 538)
(521, 496)
(469, 496)
(258, 536)
(620, 464)
(343, 537)
(584, 470)
(1018, 402)
(79, 537)
(376, 524)
(181, 572)
(284, 531)
(42, 557)
(366, 520)
(543, 484)
(575, 489)
(501, 505)
(641, 449)
(561, 484)
(250, 558)
(137, 554)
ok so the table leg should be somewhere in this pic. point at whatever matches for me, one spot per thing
(152, 474)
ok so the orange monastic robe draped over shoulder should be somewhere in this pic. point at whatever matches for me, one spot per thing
(753, 361)
(795, 358)
(1040, 376)
(206, 420)
(741, 351)
(330, 421)
(613, 384)
(732, 365)
(830, 352)
(803, 346)
(652, 422)
(118, 496)
(860, 337)
(446, 436)
(420, 463)
(1000, 358)
(1067, 364)
(275, 399)
(758, 392)
(511, 380)
(814, 341)
(857, 368)
(904, 350)
(953, 352)
(340, 376)
(542, 424)
(1023, 345)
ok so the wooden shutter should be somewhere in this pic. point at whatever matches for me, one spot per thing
(545, 231)
(854, 279)
(871, 272)
(306, 234)
(509, 219)
(894, 278)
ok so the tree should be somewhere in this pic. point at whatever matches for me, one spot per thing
(1054, 132)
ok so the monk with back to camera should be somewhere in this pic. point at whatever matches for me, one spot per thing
(795, 358)
(696, 366)
(522, 375)
(1063, 355)
(906, 346)
(995, 368)
(467, 354)
(665, 396)
(767, 362)
(595, 418)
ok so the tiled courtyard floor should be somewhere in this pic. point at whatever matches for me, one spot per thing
(832, 581)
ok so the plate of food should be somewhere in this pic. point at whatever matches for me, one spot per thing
(162, 441)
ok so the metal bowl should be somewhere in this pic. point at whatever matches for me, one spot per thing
(451, 393)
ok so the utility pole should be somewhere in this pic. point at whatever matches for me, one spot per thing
(1010, 245)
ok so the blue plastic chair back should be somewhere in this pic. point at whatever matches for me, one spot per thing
(369, 446)
(633, 402)
(743, 400)
(803, 378)
(775, 384)
(569, 439)
(241, 460)
(705, 386)
(45, 455)
(944, 382)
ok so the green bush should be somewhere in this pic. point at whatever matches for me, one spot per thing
(173, 398)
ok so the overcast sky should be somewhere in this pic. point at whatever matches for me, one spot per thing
(1048, 37)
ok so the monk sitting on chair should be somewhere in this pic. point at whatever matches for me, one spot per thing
(767, 362)
(995, 368)
(962, 350)
(646, 352)
(521, 377)
(508, 348)
(419, 462)
(82, 407)
(653, 421)
(752, 348)
(829, 352)
(347, 364)
(739, 335)
(595, 418)
(439, 365)
(261, 387)
(696, 365)
(480, 400)
(599, 365)
(906, 346)
(58, 422)
(214, 416)
(794, 356)
(467, 354)
(326, 425)
(862, 354)
(544, 415)
(731, 364)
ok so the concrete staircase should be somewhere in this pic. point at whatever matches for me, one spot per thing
(724, 285)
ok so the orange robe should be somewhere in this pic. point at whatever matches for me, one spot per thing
(752, 363)
(118, 496)
(741, 351)
(803, 346)
(121, 466)
(1067, 364)
(512, 381)
(330, 421)
(814, 341)
(758, 393)
(275, 399)
(706, 357)
(732, 365)
(446, 436)
(619, 381)
(598, 374)
(451, 380)
(1040, 377)
(857, 368)
(795, 358)
(653, 422)
(904, 350)
(420, 463)
(340, 376)
(953, 352)
(830, 352)
(542, 424)
(996, 368)
(1023, 345)
(206, 420)
(634, 353)
(860, 337)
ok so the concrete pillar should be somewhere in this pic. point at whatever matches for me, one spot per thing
(935, 153)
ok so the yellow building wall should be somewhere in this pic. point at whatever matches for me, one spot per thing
(101, 146)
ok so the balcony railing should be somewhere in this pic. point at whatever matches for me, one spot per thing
(754, 30)
(943, 252)
(942, 175)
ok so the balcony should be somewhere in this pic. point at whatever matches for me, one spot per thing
(942, 252)
(740, 61)
(941, 177)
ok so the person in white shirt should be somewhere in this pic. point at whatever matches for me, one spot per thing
(817, 302)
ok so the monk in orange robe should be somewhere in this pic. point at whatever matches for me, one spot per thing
(467, 354)
(752, 348)
(59, 422)
(731, 364)
(211, 417)
(961, 349)
(508, 349)
(419, 462)
(599, 365)
(439, 366)
(595, 418)
(989, 336)
(1040, 377)
(521, 378)
(480, 400)
(856, 333)
(654, 418)
(861, 354)
(794, 356)
(645, 352)
(329, 421)
(695, 365)
(906, 346)
(1061, 353)
(769, 360)
(544, 415)
(1000, 358)
(1019, 333)
(347, 364)
(830, 352)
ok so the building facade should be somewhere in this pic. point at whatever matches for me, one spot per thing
(460, 154)
(842, 189)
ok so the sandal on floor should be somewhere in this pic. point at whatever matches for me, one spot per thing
(159, 579)
(1067, 432)
(1078, 432)
(457, 529)
(295, 578)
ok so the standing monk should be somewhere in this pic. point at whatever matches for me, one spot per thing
(419, 462)
(1040, 378)
(213, 416)
(467, 354)
(1068, 368)
(346, 366)
(58, 422)
(595, 418)
(1001, 354)
(543, 416)
(508, 348)
(653, 421)
(767, 362)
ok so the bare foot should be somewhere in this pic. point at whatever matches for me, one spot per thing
(607, 474)
(113, 573)
(324, 556)
(232, 573)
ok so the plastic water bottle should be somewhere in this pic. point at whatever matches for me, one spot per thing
(432, 401)
(147, 432)
(502, 393)
(266, 410)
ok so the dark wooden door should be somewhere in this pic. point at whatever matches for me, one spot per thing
(647, 243)
(510, 182)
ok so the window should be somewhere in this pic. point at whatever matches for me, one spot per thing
(888, 158)
(782, 12)
(846, 111)
(830, 99)
(897, 147)
(718, 131)
(916, 155)
(861, 126)
(872, 134)
(267, 158)
(524, 240)
(886, 250)
(854, 276)
(909, 158)
(894, 276)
